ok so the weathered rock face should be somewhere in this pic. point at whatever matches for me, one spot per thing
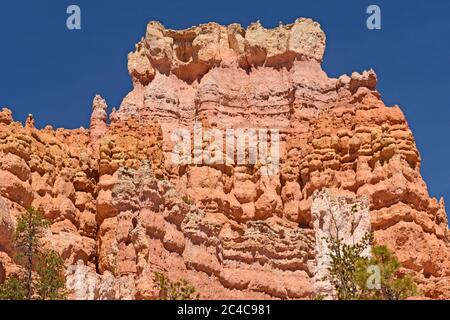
(343, 218)
(122, 209)
(192, 53)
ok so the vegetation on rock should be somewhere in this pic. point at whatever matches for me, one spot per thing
(13, 289)
(51, 282)
(180, 290)
(359, 277)
(42, 272)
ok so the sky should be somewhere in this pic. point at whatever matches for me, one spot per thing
(54, 73)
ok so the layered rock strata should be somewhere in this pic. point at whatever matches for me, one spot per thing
(121, 209)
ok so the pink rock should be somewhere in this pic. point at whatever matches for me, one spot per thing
(14, 189)
(174, 240)
(98, 126)
(121, 209)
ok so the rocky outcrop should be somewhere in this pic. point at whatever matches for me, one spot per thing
(192, 53)
(122, 209)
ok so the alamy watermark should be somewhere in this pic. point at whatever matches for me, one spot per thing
(231, 147)
(374, 20)
(73, 21)
(374, 280)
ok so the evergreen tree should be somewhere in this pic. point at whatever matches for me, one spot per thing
(30, 226)
(350, 272)
(344, 261)
(392, 286)
(42, 276)
(13, 289)
(50, 283)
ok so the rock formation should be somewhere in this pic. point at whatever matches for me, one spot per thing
(343, 218)
(121, 209)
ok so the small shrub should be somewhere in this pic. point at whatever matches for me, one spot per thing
(344, 261)
(318, 297)
(13, 289)
(392, 286)
(180, 290)
(50, 284)
(350, 274)
(42, 277)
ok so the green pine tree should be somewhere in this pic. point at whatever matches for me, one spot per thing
(50, 283)
(393, 286)
(30, 226)
(350, 274)
(42, 276)
(13, 289)
(344, 261)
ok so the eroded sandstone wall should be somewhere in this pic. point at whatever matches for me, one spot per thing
(122, 209)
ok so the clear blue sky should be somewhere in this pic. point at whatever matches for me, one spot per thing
(54, 73)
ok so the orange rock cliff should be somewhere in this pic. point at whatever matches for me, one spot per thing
(121, 209)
